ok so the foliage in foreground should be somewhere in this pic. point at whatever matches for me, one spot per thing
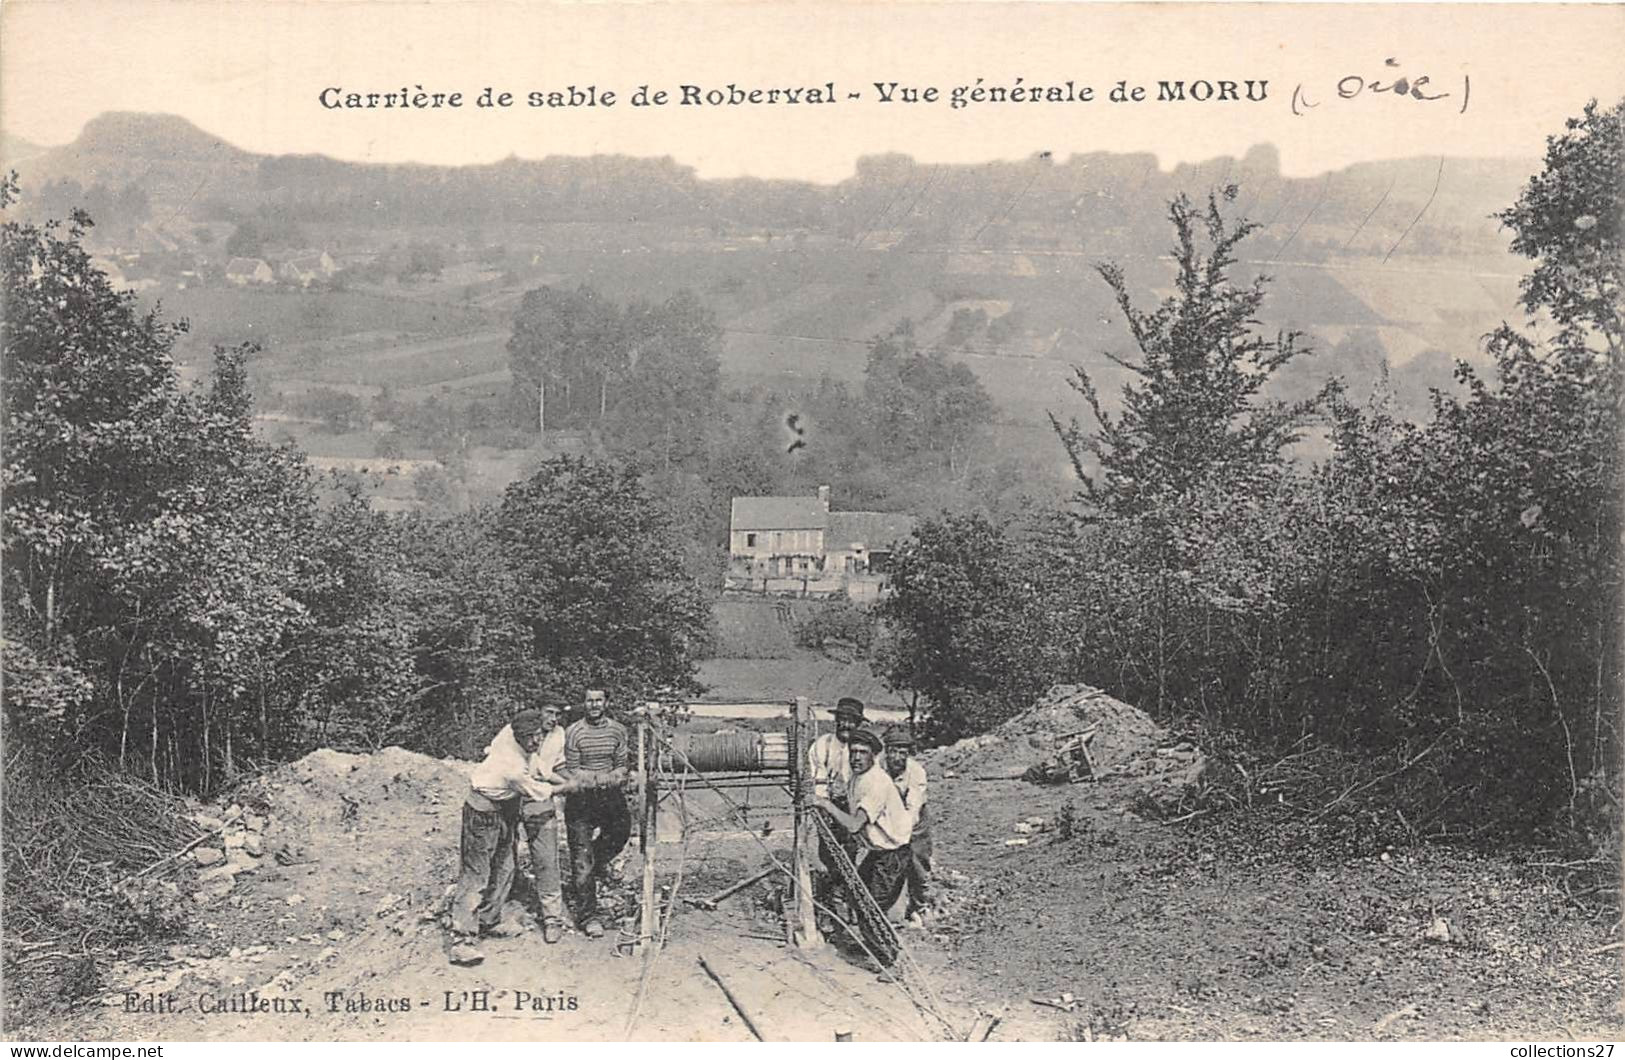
(1442, 592)
(178, 604)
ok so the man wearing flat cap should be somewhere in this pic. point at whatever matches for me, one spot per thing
(499, 784)
(829, 767)
(882, 825)
(909, 776)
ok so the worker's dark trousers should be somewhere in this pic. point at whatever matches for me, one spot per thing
(598, 824)
(541, 824)
(486, 856)
(884, 874)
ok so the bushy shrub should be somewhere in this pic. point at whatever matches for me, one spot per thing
(837, 623)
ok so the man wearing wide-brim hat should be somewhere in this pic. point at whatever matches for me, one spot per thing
(829, 768)
(882, 825)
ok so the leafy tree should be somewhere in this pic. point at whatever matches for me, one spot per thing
(1516, 490)
(337, 411)
(964, 625)
(922, 404)
(1195, 409)
(1567, 219)
(663, 412)
(420, 261)
(247, 240)
(152, 546)
(563, 343)
(598, 583)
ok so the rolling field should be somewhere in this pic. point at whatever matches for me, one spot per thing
(793, 313)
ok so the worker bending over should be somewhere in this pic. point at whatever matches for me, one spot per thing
(881, 824)
(487, 846)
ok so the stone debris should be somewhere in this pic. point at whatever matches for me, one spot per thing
(207, 856)
(1127, 745)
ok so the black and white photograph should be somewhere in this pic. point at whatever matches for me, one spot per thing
(812, 522)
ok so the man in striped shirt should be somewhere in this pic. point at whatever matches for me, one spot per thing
(595, 814)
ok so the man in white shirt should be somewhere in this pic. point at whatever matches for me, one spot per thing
(540, 819)
(883, 826)
(909, 776)
(829, 768)
(488, 843)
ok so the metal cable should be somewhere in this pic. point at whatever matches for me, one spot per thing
(913, 978)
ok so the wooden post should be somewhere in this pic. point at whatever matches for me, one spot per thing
(647, 834)
(806, 842)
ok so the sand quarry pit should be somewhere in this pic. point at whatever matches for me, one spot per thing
(341, 908)
(327, 880)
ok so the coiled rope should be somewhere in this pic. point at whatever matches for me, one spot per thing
(719, 752)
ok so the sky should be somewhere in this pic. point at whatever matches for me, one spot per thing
(253, 74)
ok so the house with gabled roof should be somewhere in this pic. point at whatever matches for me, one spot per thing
(796, 545)
(307, 269)
(243, 271)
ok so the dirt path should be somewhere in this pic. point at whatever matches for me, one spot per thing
(346, 919)
(1156, 931)
(1179, 932)
(575, 990)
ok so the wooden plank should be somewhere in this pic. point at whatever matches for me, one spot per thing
(807, 936)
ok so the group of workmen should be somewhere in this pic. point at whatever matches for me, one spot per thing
(532, 765)
(873, 792)
(870, 788)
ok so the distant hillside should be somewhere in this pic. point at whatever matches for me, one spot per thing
(1089, 202)
(1394, 268)
(14, 150)
(171, 158)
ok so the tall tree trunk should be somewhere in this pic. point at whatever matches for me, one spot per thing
(50, 611)
(207, 774)
(265, 726)
(541, 406)
(124, 727)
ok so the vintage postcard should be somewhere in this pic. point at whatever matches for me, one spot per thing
(811, 521)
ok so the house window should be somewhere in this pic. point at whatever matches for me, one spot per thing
(750, 540)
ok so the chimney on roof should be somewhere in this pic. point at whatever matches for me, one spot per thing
(823, 497)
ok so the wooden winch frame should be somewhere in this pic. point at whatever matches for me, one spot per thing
(781, 763)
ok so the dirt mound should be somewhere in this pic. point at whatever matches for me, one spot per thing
(344, 840)
(1127, 745)
(327, 787)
